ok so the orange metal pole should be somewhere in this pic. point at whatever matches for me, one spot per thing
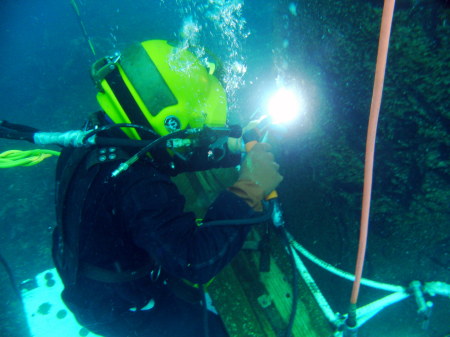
(383, 44)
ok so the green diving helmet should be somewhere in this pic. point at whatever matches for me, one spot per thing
(157, 85)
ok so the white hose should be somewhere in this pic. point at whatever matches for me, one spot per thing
(72, 138)
(321, 300)
(341, 273)
(437, 288)
(366, 312)
(363, 314)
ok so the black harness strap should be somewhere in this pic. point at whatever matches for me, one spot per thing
(109, 276)
(67, 232)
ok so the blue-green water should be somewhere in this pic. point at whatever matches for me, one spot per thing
(327, 49)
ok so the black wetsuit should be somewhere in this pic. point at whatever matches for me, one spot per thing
(128, 223)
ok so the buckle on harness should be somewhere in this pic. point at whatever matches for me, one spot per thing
(155, 274)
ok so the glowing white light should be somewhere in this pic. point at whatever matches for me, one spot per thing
(284, 106)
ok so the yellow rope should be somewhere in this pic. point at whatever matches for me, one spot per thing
(14, 158)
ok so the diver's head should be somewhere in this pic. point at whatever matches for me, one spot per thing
(157, 85)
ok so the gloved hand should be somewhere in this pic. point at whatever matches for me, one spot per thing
(235, 145)
(259, 167)
(258, 176)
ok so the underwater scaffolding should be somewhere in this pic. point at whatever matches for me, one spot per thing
(255, 296)
(258, 303)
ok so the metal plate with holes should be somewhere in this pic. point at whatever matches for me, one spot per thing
(46, 314)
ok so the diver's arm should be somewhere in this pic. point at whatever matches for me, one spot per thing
(171, 236)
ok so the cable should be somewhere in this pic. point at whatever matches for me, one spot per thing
(120, 142)
(205, 311)
(125, 165)
(290, 325)
(118, 125)
(14, 158)
(16, 131)
(165, 138)
(83, 28)
(11, 277)
(236, 222)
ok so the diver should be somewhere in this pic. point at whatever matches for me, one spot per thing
(123, 245)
